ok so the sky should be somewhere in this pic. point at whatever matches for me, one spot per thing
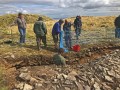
(61, 8)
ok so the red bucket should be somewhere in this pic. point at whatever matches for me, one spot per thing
(76, 48)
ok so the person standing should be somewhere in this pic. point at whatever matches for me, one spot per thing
(67, 34)
(56, 31)
(77, 26)
(117, 25)
(21, 22)
(40, 30)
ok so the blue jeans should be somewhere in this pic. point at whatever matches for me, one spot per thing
(22, 35)
(117, 33)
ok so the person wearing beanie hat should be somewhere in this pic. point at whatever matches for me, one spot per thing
(40, 30)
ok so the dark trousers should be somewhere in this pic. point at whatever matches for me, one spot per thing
(39, 39)
(68, 41)
(22, 35)
(78, 32)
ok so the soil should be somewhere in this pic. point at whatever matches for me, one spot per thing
(41, 61)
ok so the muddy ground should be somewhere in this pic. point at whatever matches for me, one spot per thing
(42, 62)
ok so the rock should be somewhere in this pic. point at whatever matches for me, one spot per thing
(67, 88)
(96, 86)
(105, 87)
(59, 76)
(55, 81)
(13, 56)
(38, 86)
(23, 70)
(87, 87)
(73, 73)
(71, 76)
(118, 88)
(27, 87)
(64, 76)
(79, 86)
(25, 76)
(19, 86)
(68, 82)
(109, 79)
(111, 73)
(33, 81)
(44, 76)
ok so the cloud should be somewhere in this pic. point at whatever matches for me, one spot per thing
(61, 8)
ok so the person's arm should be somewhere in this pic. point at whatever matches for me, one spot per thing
(14, 22)
(64, 27)
(34, 28)
(25, 23)
(44, 28)
(115, 22)
(74, 23)
(80, 23)
(58, 28)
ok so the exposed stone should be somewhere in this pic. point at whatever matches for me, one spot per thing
(38, 85)
(23, 70)
(64, 76)
(25, 76)
(67, 88)
(27, 87)
(96, 86)
(79, 86)
(87, 87)
(19, 86)
(13, 56)
(108, 78)
(70, 77)
(33, 81)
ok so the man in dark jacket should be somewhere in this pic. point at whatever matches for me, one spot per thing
(56, 31)
(40, 30)
(117, 25)
(78, 26)
(21, 22)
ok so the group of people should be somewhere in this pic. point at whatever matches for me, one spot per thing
(40, 30)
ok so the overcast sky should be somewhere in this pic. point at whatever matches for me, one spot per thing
(61, 8)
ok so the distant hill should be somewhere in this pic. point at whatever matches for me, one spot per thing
(96, 22)
(8, 19)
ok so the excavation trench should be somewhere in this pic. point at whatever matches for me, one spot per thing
(73, 58)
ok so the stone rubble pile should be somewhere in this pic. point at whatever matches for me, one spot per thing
(100, 74)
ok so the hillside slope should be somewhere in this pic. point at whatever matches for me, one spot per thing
(6, 20)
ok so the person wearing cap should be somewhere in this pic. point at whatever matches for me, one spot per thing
(21, 22)
(117, 25)
(56, 31)
(40, 30)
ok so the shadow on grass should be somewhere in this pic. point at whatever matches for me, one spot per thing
(49, 47)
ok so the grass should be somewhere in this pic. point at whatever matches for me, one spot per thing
(8, 19)
(2, 84)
